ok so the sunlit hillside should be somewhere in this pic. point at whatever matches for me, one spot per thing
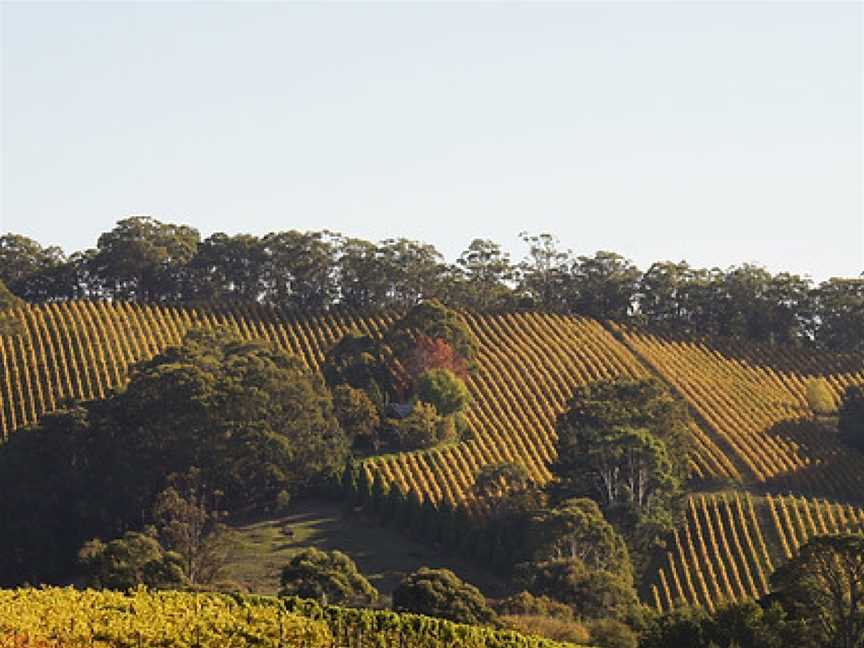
(753, 429)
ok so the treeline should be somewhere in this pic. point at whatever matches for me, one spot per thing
(146, 260)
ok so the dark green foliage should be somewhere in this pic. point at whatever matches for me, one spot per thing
(254, 421)
(357, 415)
(578, 530)
(507, 490)
(362, 363)
(35, 273)
(252, 418)
(627, 403)
(823, 586)
(850, 420)
(380, 494)
(440, 593)
(328, 577)
(135, 559)
(422, 428)
(443, 389)
(624, 443)
(544, 274)
(593, 594)
(744, 624)
(603, 286)
(483, 275)
(840, 313)
(145, 259)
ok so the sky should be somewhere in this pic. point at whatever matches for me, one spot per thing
(720, 133)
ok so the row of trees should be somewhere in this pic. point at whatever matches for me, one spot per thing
(144, 259)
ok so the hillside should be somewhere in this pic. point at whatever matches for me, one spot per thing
(752, 425)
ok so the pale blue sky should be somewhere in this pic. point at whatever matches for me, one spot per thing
(719, 133)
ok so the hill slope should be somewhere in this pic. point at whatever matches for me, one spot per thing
(752, 423)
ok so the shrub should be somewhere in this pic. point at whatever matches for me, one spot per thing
(443, 389)
(328, 577)
(440, 593)
(548, 627)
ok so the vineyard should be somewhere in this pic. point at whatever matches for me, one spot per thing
(731, 544)
(752, 424)
(753, 400)
(66, 618)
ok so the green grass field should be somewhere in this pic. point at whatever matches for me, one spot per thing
(382, 554)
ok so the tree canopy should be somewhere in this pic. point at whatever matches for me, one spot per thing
(328, 577)
(135, 559)
(823, 585)
(440, 593)
(142, 258)
(851, 416)
(251, 420)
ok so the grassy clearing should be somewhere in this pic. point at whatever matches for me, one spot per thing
(382, 554)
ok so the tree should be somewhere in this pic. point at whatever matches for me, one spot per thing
(578, 530)
(190, 526)
(423, 428)
(434, 353)
(819, 397)
(227, 268)
(850, 421)
(433, 320)
(412, 271)
(507, 490)
(135, 559)
(328, 577)
(603, 286)
(750, 623)
(362, 363)
(254, 420)
(662, 295)
(31, 271)
(142, 258)
(824, 586)
(440, 593)
(357, 415)
(593, 594)
(443, 389)
(624, 443)
(361, 275)
(598, 408)
(543, 274)
(839, 309)
(299, 269)
(487, 273)
(251, 417)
